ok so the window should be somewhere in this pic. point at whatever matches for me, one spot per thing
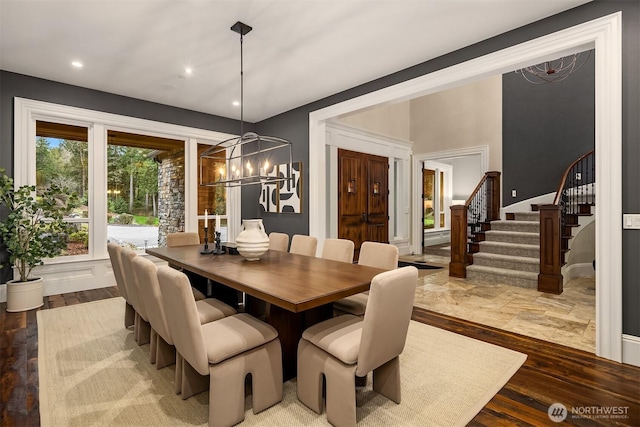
(212, 199)
(145, 188)
(62, 158)
(88, 150)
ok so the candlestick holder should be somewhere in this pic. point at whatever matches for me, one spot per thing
(218, 248)
(206, 250)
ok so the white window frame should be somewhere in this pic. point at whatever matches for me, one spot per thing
(93, 270)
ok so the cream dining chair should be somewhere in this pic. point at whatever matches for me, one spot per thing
(372, 254)
(162, 351)
(114, 256)
(347, 346)
(338, 250)
(278, 241)
(226, 351)
(141, 328)
(303, 245)
(181, 238)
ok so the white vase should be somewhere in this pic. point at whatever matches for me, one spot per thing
(252, 242)
(23, 296)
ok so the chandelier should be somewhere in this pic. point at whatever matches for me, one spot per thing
(553, 71)
(246, 159)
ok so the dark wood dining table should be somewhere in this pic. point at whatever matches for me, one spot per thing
(299, 289)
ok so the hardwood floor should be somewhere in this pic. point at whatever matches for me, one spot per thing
(582, 382)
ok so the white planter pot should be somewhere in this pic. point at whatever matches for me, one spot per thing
(22, 296)
(252, 242)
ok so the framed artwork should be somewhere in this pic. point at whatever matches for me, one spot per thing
(269, 192)
(283, 196)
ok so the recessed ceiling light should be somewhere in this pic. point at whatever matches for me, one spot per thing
(77, 64)
(188, 71)
(236, 103)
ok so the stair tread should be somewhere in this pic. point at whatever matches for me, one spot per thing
(503, 272)
(509, 245)
(515, 221)
(509, 232)
(513, 258)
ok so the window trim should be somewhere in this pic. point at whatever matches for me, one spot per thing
(27, 111)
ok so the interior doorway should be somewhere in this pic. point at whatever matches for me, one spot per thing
(363, 198)
(436, 202)
(604, 32)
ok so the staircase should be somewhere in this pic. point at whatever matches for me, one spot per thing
(508, 251)
(528, 249)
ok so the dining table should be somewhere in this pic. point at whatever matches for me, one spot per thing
(298, 290)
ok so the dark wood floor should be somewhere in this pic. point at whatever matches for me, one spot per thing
(552, 373)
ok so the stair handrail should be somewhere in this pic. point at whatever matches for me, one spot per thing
(563, 181)
(556, 218)
(482, 205)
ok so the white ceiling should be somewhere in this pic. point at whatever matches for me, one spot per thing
(299, 50)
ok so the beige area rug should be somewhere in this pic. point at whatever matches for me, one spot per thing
(93, 373)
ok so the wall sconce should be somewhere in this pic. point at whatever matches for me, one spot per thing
(351, 186)
(376, 188)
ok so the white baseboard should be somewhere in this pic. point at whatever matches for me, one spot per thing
(404, 248)
(525, 205)
(438, 237)
(578, 270)
(631, 350)
(76, 276)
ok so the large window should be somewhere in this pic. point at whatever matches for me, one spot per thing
(62, 159)
(124, 169)
(145, 188)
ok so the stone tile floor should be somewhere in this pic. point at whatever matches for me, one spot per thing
(567, 319)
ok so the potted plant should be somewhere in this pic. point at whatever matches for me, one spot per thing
(32, 229)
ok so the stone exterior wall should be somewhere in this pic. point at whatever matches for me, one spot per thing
(171, 200)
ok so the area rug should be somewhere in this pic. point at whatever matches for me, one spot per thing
(92, 373)
(420, 265)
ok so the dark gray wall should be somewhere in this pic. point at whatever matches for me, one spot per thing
(544, 129)
(287, 222)
(296, 122)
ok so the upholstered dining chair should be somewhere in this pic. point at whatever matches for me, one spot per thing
(372, 254)
(303, 245)
(278, 241)
(114, 256)
(209, 310)
(162, 350)
(347, 346)
(338, 250)
(185, 239)
(141, 327)
(226, 350)
(182, 239)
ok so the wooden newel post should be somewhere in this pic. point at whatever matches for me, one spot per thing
(493, 196)
(550, 277)
(458, 264)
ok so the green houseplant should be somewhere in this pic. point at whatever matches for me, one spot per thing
(34, 229)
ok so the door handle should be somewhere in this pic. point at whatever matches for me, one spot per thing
(364, 217)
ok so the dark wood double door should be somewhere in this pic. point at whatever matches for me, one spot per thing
(363, 198)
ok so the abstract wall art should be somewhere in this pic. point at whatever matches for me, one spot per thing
(283, 196)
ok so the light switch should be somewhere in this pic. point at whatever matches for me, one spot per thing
(631, 221)
(513, 193)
